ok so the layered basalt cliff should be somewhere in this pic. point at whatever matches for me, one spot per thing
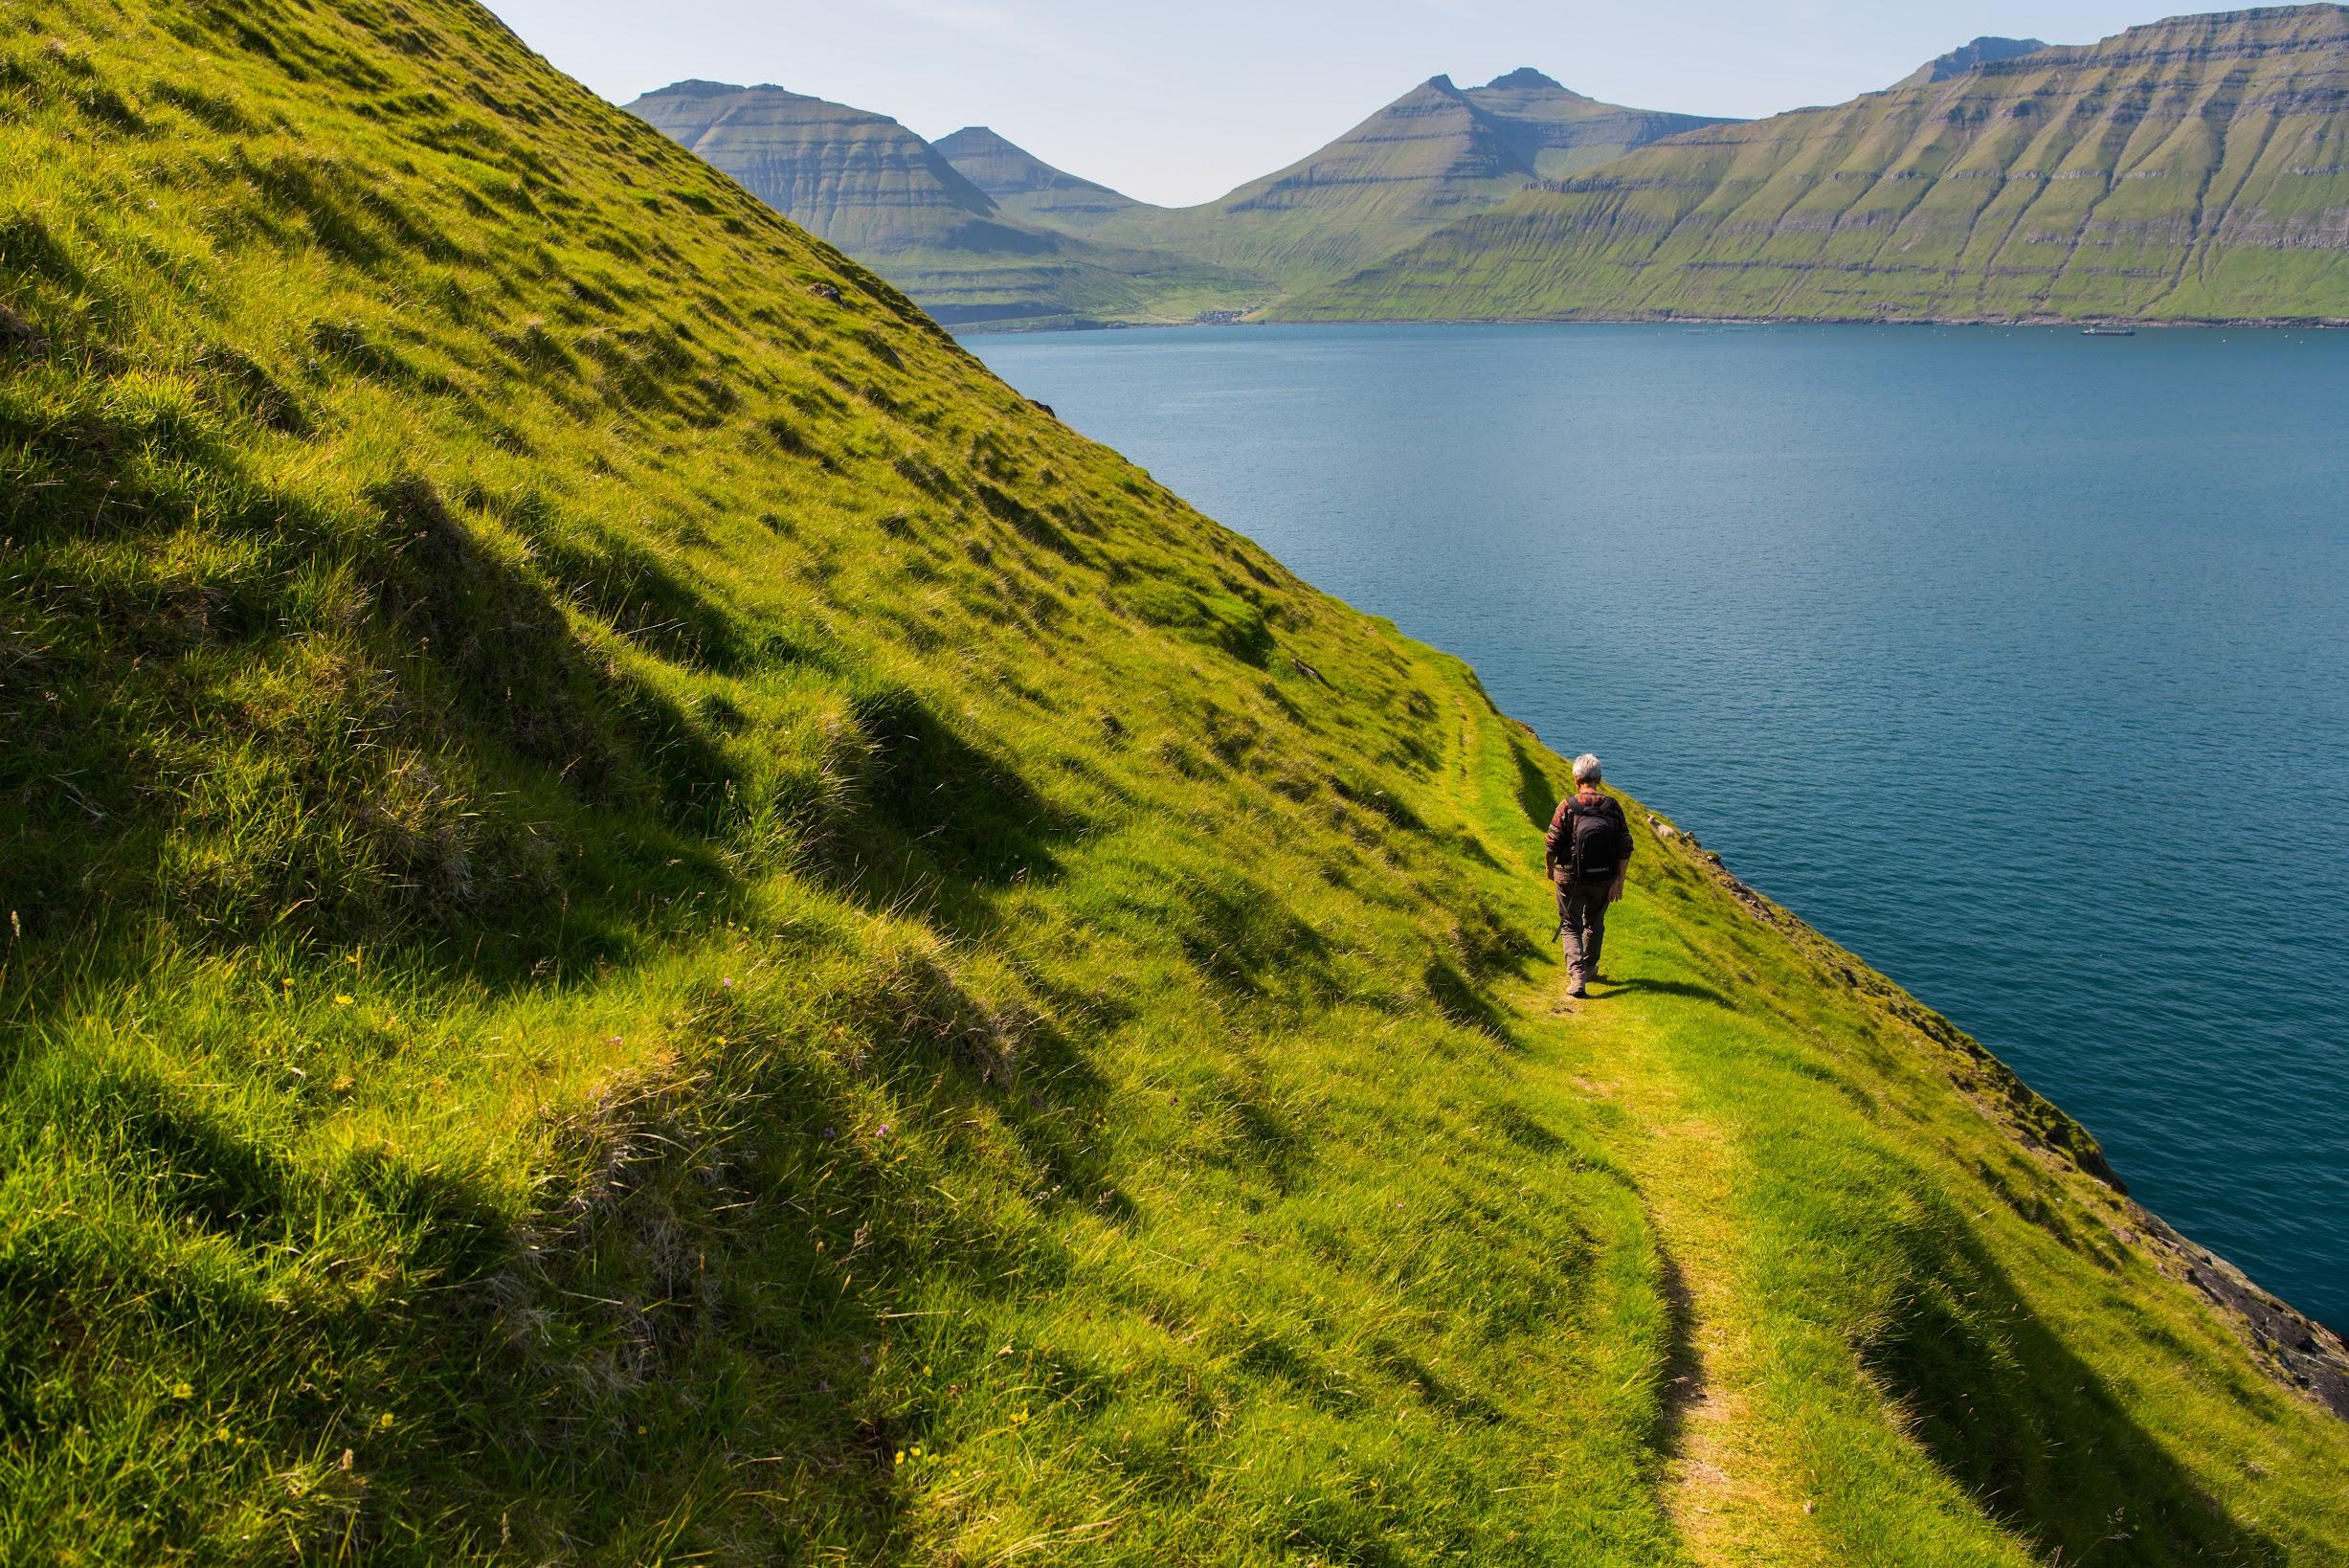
(866, 183)
(2191, 170)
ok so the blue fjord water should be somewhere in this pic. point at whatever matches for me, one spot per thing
(2016, 660)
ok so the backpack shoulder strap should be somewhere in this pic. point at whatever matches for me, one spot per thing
(1560, 828)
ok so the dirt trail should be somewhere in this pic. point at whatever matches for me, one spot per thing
(1723, 1490)
(1726, 1495)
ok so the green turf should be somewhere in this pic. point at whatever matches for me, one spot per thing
(649, 921)
(2189, 170)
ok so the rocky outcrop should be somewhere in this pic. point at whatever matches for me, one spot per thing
(2288, 1345)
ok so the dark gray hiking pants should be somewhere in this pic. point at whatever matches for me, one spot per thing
(1581, 928)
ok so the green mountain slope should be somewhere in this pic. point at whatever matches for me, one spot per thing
(871, 186)
(1024, 184)
(859, 180)
(2189, 170)
(1434, 154)
(648, 920)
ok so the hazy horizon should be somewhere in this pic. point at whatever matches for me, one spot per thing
(1180, 108)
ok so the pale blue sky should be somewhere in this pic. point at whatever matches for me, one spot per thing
(1177, 103)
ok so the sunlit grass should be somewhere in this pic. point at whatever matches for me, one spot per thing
(635, 890)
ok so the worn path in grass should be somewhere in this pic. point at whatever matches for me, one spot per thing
(1721, 1489)
(713, 938)
(1667, 1048)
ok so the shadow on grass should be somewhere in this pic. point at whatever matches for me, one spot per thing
(1537, 797)
(2025, 1427)
(1685, 1387)
(1457, 998)
(1686, 990)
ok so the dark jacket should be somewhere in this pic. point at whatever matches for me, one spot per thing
(1558, 843)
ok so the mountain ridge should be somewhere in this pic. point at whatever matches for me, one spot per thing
(1438, 150)
(865, 182)
(862, 180)
(1024, 184)
(1967, 57)
(2074, 183)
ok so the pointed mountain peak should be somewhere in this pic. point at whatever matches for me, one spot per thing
(978, 139)
(1984, 50)
(1010, 173)
(1524, 77)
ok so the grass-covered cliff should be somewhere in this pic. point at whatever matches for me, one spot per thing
(2190, 170)
(650, 921)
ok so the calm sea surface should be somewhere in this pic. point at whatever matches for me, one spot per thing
(2016, 660)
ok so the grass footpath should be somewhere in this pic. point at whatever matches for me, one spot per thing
(650, 921)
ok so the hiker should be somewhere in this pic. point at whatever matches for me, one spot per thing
(1588, 855)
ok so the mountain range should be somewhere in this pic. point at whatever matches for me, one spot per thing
(866, 183)
(983, 232)
(2190, 170)
(1437, 153)
(2193, 170)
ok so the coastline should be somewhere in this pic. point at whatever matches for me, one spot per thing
(2298, 1350)
(2243, 324)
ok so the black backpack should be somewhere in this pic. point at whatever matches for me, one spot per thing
(1594, 841)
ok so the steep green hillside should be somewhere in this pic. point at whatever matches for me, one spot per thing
(1024, 184)
(871, 186)
(649, 921)
(1434, 154)
(2190, 170)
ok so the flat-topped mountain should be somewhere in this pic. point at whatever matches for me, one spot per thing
(2190, 170)
(868, 185)
(858, 179)
(1984, 50)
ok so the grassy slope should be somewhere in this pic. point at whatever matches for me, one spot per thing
(635, 890)
(2191, 170)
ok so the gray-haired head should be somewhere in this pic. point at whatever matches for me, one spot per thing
(1587, 769)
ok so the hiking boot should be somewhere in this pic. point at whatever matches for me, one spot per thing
(1578, 991)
